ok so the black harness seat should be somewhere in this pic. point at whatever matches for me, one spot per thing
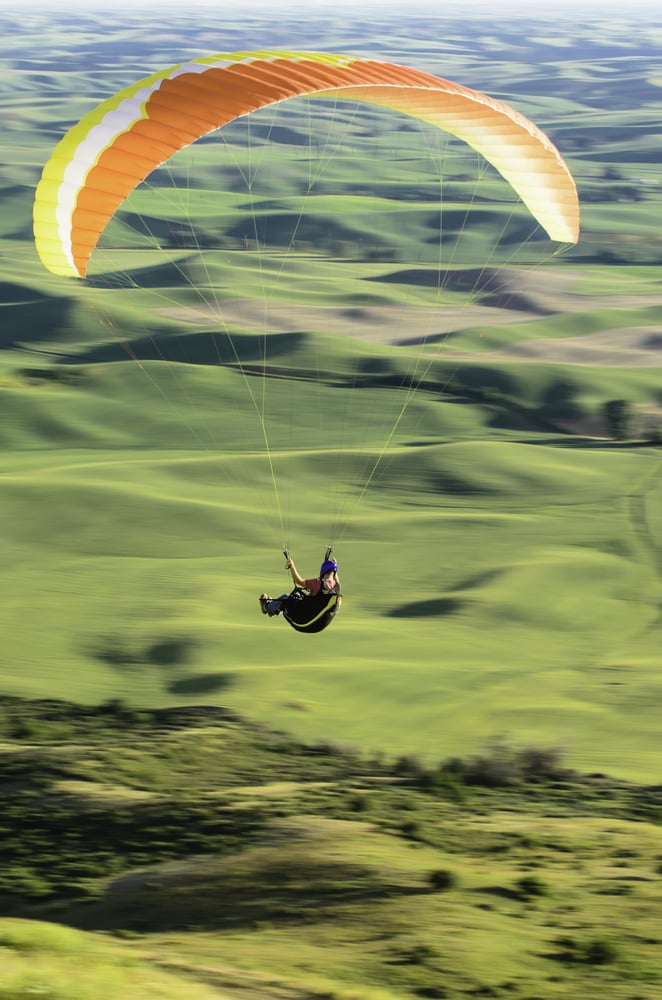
(306, 613)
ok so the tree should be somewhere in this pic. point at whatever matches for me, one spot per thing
(618, 417)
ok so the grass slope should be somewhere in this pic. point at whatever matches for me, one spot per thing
(523, 567)
(228, 857)
(500, 555)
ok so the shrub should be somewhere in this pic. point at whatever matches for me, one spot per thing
(596, 951)
(601, 951)
(442, 782)
(501, 764)
(492, 771)
(454, 767)
(419, 954)
(118, 709)
(442, 879)
(541, 762)
(532, 886)
(410, 766)
(411, 829)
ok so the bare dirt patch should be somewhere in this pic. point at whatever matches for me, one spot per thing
(506, 297)
(627, 347)
(392, 325)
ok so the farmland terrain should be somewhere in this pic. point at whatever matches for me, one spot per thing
(327, 326)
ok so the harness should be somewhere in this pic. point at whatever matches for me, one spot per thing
(311, 614)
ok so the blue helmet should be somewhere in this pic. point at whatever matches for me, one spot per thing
(328, 566)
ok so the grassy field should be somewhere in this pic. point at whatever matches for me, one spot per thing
(302, 349)
(222, 858)
(545, 577)
(238, 374)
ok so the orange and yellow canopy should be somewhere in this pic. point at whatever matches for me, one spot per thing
(102, 158)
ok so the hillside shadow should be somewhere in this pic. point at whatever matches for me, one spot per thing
(180, 895)
(518, 301)
(473, 582)
(484, 382)
(579, 442)
(467, 279)
(204, 347)
(439, 607)
(30, 318)
(169, 652)
(559, 401)
(115, 651)
(202, 684)
(443, 607)
(165, 274)
(272, 227)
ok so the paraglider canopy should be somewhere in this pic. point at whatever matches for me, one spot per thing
(113, 148)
